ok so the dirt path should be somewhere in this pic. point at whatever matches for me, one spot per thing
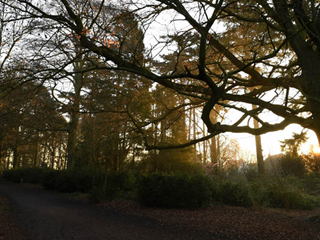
(42, 214)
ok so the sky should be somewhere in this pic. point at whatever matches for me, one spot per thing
(271, 141)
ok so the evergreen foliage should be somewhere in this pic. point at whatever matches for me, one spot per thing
(293, 165)
(175, 191)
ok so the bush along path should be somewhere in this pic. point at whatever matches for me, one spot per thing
(178, 190)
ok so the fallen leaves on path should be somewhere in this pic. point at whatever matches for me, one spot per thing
(8, 226)
(222, 222)
(232, 222)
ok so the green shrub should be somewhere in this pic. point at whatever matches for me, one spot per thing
(251, 174)
(258, 192)
(73, 181)
(312, 161)
(293, 165)
(235, 193)
(85, 181)
(49, 178)
(120, 184)
(284, 196)
(175, 191)
(66, 182)
(13, 175)
(27, 175)
(311, 183)
(32, 175)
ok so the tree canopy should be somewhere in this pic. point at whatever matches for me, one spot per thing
(219, 54)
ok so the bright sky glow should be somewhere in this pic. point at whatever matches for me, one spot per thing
(316, 149)
(271, 141)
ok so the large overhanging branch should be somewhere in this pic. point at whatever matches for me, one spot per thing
(279, 110)
(220, 128)
(264, 128)
(213, 93)
(246, 113)
(183, 145)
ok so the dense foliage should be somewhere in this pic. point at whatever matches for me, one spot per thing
(179, 190)
(175, 190)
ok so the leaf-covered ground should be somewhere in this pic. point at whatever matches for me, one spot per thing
(222, 222)
(9, 229)
(234, 222)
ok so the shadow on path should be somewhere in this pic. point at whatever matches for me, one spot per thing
(45, 215)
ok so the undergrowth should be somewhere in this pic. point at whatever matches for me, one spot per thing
(178, 190)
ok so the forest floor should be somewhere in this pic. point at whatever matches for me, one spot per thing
(29, 212)
(9, 229)
(235, 222)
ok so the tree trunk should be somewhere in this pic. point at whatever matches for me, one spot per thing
(218, 150)
(190, 121)
(1, 133)
(8, 160)
(16, 161)
(309, 61)
(53, 152)
(72, 139)
(36, 152)
(43, 162)
(204, 145)
(260, 162)
(213, 150)
(74, 120)
(194, 134)
(24, 161)
(213, 147)
(312, 89)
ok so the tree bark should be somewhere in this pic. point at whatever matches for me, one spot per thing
(213, 147)
(194, 134)
(53, 152)
(8, 161)
(309, 61)
(74, 117)
(1, 155)
(204, 160)
(72, 140)
(16, 161)
(260, 162)
(36, 152)
(308, 57)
